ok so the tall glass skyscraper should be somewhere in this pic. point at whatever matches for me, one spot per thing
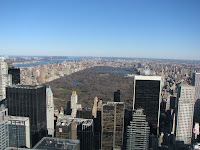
(29, 101)
(147, 95)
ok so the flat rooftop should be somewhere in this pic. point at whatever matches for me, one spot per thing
(66, 121)
(17, 118)
(57, 144)
(26, 86)
(138, 77)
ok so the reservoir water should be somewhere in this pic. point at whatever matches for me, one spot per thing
(76, 82)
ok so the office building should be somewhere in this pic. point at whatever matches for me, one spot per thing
(76, 128)
(85, 113)
(147, 95)
(5, 79)
(138, 132)
(74, 104)
(196, 83)
(15, 72)
(4, 137)
(29, 101)
(117, 96)
(19, 131)
(57, 144)
(112, 125)
(96, 113)
(50, 112)
(184, 122)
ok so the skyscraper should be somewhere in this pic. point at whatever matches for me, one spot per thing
(184, 122)
(50, 112)
(147, 95)
(138, 132)
(76, 128)
(112, 125)
(15, 72)
(74, 104)
(29, 101)
(117, 96)
(5, 79)
(4, 137)
(196, 83)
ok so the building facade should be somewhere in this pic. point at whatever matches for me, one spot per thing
(138, 132)
(29, 101)
(5, 79)
(76, 128)
(19, 131)
(117, 96)
(112, 125)
(15, 72)
(184, 115)
(147, 95)
(4, 137)
(196, 83)
(50, 112)
(74, 104)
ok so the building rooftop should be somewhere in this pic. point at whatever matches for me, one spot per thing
(2, 59)
(26, 86)
(57, 144)
(49, 90)
(66, 121)
(17, 118)
(140, 77)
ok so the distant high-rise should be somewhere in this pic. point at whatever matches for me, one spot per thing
(184, 122)
(117, 96)
(85, 113)
(96, 113)
(74, 104)
(196, 83)
(50, 112)
(4, 137)
(5, 79)
(29, 101)
(138, 132)
(19, 131)
(147, 95)
(112, 125)
(15, 72)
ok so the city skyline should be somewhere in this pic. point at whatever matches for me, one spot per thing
(156, 29)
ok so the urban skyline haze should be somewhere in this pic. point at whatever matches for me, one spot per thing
(143, 29)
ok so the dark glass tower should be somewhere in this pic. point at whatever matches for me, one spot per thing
(117, 96)
(15, 72)
(147, 90)
(29, 101)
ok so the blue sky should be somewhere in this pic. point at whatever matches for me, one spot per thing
(117, 28)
